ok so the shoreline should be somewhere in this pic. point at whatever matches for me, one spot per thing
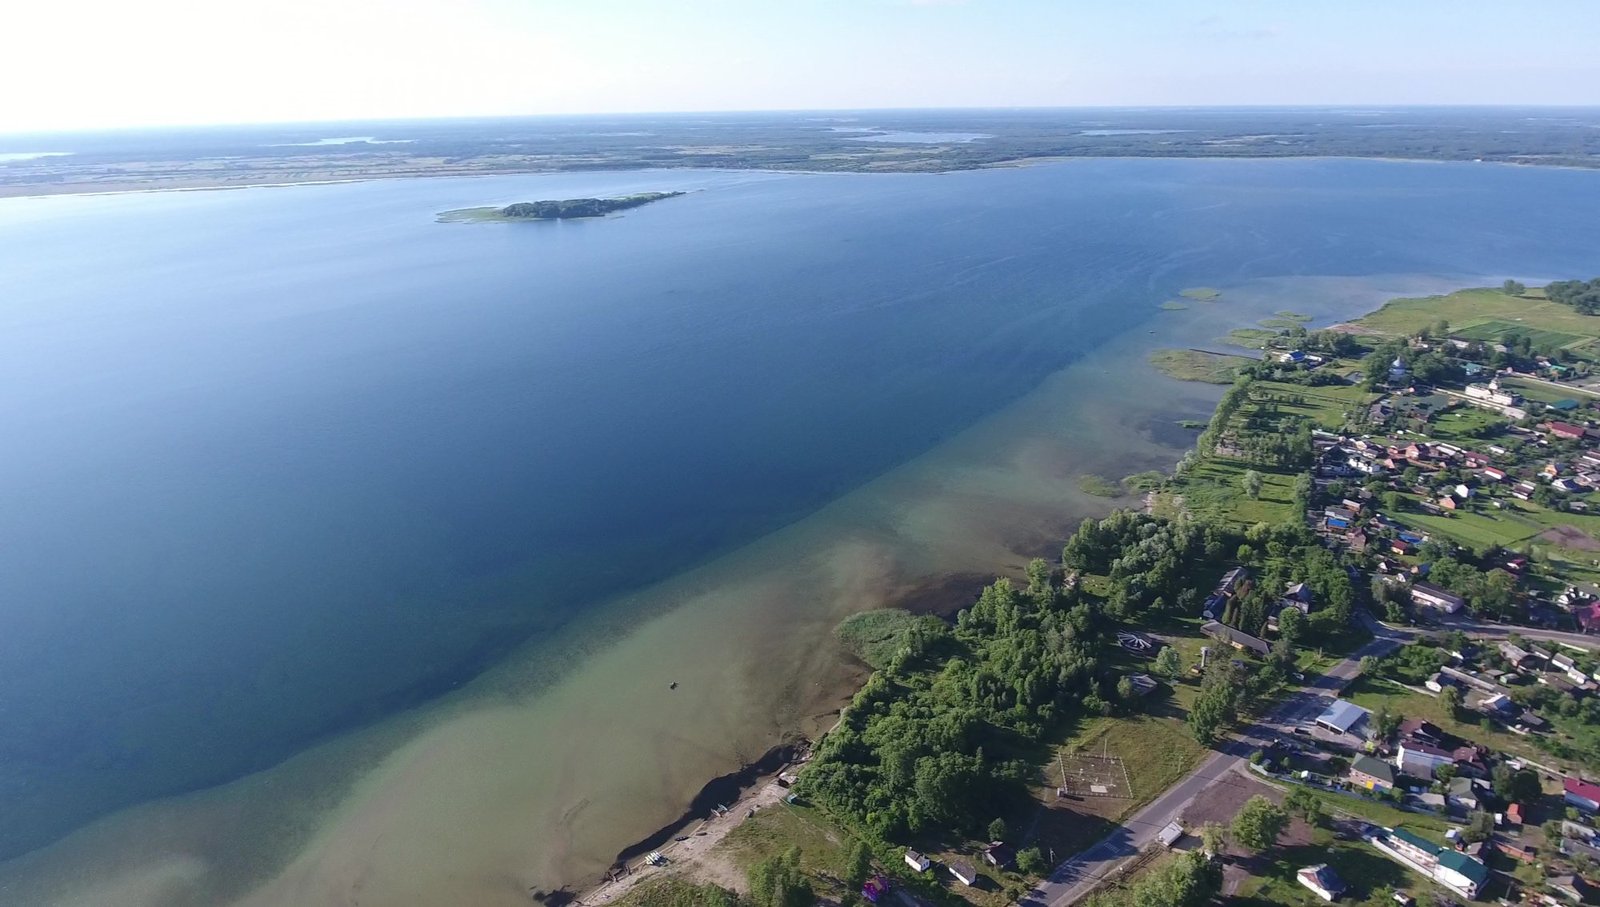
(610, 888)
(32, 190)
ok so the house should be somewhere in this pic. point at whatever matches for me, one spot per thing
(1342, 717)
(1237, 638)
(1143, 684)
(1462, 794)
(1522, 491)
(1491, 393)
(1357, 540)
(999, 854)
(1577, 847)
(1371, 774)
(1450, 868)
(1422, 731)
(964, 873)
(1517, 850)
(1299, 592)
(917, 861)
(1566, 485)
(1171, 834)
(1514, 655)
(1461, 872)
(1471, 761)
(1401, 546)
(1420, 759)
(1322, 880)
(1493, 474)
(1561, 661)
(1571, 887)
(1437, 682)
(1499, 704)
(1565, 430)
(1447, 503)
(1582, 794)
(1427, 596)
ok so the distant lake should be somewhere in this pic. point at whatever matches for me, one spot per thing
(1132, 131)
(921, 138)
(280, 464)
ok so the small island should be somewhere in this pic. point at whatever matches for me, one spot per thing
(562, 209)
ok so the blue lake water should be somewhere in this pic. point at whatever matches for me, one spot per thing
(279, 462)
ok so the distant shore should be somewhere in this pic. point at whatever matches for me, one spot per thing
(274, 180)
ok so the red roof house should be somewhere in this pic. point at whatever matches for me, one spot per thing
(1566, 430)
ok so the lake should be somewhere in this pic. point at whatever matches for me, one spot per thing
(342, 543)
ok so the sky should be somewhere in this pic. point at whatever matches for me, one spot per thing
(130, 63)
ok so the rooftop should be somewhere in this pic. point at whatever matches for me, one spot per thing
(1342, 715)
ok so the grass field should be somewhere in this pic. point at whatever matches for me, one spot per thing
(1466, 309)
(1327, 406)
(1205, 294)
(1214, 486)
(1372, 877)
(1194, 365)
(1497, 329)
(1473, 529)
(1462, 424)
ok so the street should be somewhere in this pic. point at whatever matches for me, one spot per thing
(1078, 876)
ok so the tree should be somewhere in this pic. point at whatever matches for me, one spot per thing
(1451, 697)
(1291, 623)
(1251, 481)
(1169, 663)
(1480, 825)
(1516, 785)
(1125, 693)
(997, 830)
(1394, 502)
(858, 865)
(1303, 803)
(1513, 288)
(1032, 862)
(1259, 824)
(778, 882)
(1213, 838)
(1190, 880)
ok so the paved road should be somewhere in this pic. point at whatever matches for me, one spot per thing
(1078, 876)
(1474, 628)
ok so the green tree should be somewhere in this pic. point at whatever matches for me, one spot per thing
(1513, 288)
(858, 865)
(1516, 785)
(997, 830)
(1190, 880)
(1259, 824)
(1213, 838)
(1480, 825)
(1251, 482)
(1032, 862)
(777, 882)
(1301, 802)
(1169, 663)
(1451, 697)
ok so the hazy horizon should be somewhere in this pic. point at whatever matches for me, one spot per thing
(180, 63)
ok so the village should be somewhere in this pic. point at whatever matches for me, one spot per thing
(1410, 623)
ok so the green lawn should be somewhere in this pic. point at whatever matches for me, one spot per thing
(1466, 308)
(1327, 406)
(1461, 425)
(1496, 329)
(1214, 486)
(1489, 527)
(1372, 877)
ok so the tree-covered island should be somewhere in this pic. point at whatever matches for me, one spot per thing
(561, 209)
